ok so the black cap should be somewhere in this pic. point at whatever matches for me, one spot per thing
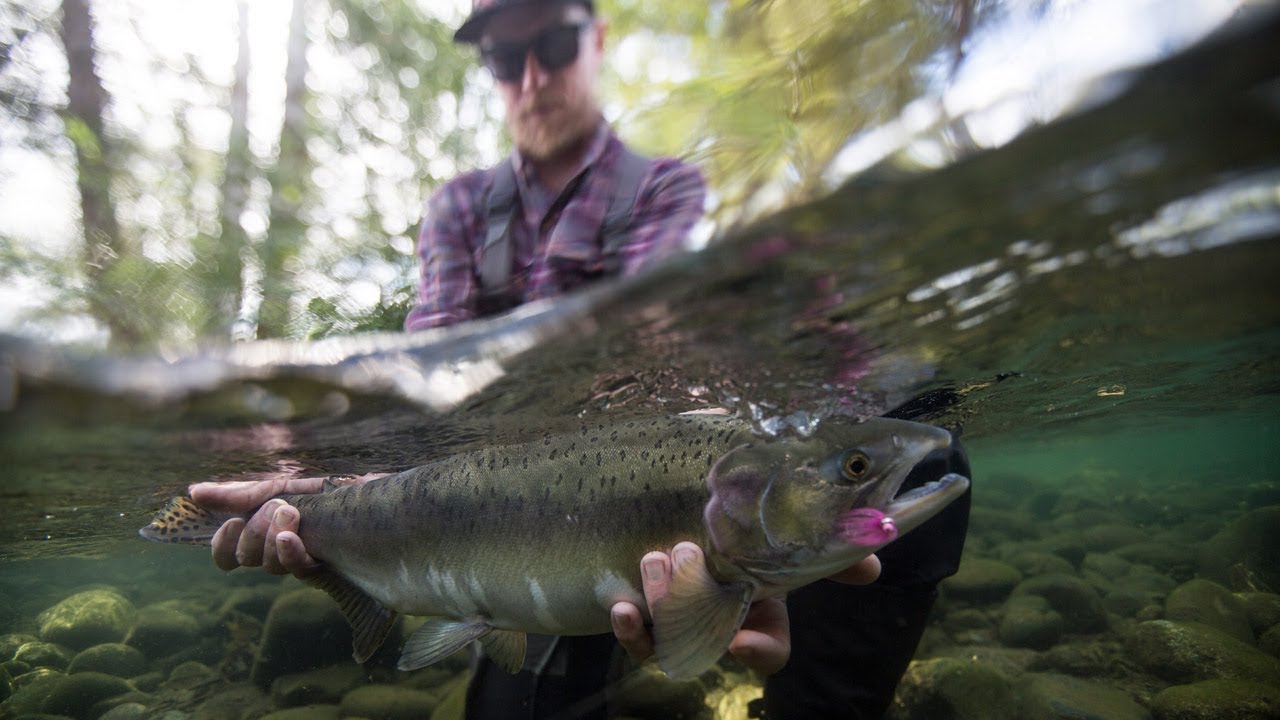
(484, 10)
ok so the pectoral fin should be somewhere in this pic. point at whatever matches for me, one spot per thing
(437, 639)
(507, 648)
(695, 622)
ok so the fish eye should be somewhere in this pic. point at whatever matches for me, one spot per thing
(856, 465)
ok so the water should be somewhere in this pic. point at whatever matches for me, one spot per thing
(1092, 305)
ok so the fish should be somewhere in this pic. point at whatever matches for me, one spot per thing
(546, 536)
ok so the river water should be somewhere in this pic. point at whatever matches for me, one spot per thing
(1093, 306)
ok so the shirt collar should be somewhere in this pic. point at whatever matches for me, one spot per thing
(599, 141)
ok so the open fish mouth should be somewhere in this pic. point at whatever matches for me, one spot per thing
(913, 507)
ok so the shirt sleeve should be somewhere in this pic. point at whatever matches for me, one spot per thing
(446, 257)
(670, 203)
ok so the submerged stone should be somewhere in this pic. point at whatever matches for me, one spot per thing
(1250, 542)
(953, 689)
(1070, 596)
(86, 619)
(1263, 610)
(1188, 652)
(304, 631)
(112, 658)
(980, 580)
(1029, 621)
(162, 631)
(389, 702)
(1209, 603)
(306, 712)
(317, 687)
(75, 695)
(10, 643)
(43, 654)
(1050, 696)
(1218, 700)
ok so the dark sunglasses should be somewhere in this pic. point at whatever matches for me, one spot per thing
(555, 48)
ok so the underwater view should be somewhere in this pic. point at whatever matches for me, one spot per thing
(1092, 306)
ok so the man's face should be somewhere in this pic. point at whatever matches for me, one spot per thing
(548, 110)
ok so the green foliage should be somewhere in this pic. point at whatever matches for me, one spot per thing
(760, 93)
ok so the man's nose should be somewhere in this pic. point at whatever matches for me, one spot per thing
(534, 76)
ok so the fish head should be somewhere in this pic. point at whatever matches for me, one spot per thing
(793, 511)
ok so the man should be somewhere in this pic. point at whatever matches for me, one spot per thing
(572, 205)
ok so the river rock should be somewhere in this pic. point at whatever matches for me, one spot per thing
(1173, 559)
(1270, 641)
(1103, 538)
(388, 702)
(1030, 622)
(162, 631)
(1252, 541)
(126, 711)
(1263, 610)
(1001, 524)
(86, 619)
(1032, 563)
(75, 695)
(648, 693)
(306, 712)
(30, 692)
(234, 702)
(1066, 546)
(981, 581)
(1070, 596)
(304, 631)
(1183, 652)
(323, 686)
(111, 658)
(1049, 696)
(10, 643)
(44, 654)
(1208, 603)
(1218, 700)
(252, 601)
(1090, 657)
(955, 689)
(1105, 565)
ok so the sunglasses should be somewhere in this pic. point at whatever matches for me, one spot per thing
(555, 48)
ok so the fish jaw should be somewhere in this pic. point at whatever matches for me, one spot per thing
(785, 516)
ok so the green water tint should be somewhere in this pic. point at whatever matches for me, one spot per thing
(1093, 304)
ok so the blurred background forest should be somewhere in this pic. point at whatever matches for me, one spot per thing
(182, 174)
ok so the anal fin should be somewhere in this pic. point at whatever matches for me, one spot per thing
(694, 624)
(439, 638)
(370, 620)
(507, 648)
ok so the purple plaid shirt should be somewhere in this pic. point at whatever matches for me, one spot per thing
(555, 239)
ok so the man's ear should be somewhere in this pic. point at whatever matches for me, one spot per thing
(602, 26)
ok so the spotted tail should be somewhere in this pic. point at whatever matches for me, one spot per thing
(182, 521)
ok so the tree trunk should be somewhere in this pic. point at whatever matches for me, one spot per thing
(222, 277)
(288, 185)
(83, 119)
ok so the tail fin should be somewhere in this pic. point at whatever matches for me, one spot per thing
(182, 521)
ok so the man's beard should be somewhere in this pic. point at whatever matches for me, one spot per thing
(550, 136)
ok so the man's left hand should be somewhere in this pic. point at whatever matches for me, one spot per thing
(763, 643)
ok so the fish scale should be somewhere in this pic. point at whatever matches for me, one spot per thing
(547, 536)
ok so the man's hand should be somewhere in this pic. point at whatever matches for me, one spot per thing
(764, 641)
(270, 537)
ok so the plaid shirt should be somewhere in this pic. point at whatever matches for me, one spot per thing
(555, 239)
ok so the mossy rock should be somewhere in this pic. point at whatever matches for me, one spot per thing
(1050, 696)
(388, 702)
(1208, 603)
(1252, 542)
(1218, 700)
(647, 692)
(161, 631)
(233, 702)
(305, 712)
(980, 580)
(76, 695)
(1078, 603)
(10, 643)
(31, 691)
(86, 619)
(1032, 563)
(1263, 610)
(1269, 643)
(44, 654)
(1029, 621)
(1190, 652)
(304, 631)
(1103, 538)
(453, 700)
(953, 689)
(325, 686)
(127, 711)
(111, 658)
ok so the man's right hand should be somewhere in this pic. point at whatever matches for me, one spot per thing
(269, 538)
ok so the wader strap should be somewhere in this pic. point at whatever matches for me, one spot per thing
(495, 263)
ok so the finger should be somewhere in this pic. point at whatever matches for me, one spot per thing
(655, 577)
(241, 496)
(224, 544)
(285, 518)
(764, 642)
(254, 536)
(864, 573)
(628, 627)
(293, 555)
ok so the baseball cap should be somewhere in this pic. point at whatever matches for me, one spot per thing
(484, 10)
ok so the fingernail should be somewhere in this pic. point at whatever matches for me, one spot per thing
(282, 516)
(652, 569)
(682, 555)
(620, 620)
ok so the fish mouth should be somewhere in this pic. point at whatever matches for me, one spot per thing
(913, 507)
